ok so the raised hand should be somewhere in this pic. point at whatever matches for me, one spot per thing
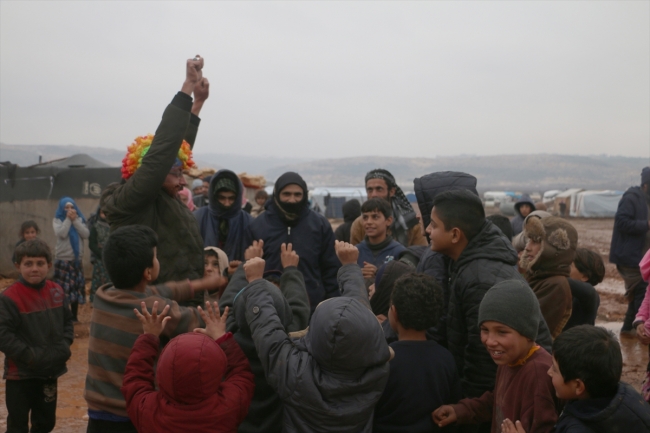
(255, 250)
(347, 253)
(72, 214)
(254, 269)
(288, 256)
(201, 90)
(508, 427)
(153, 323)
(215, 323)
(369, 270)
(193, 74)
(444, 416)
(232, 266)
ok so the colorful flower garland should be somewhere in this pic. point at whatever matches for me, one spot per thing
(139, 148)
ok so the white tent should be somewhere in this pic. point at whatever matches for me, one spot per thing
(596, 204)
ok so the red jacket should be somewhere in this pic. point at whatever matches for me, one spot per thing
(204, 385)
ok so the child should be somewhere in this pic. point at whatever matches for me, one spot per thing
(547, 259)
(28, 230)
(36, 332)
(205, 383)
(261, 197)
(509, 316)
(131, 261)
(99, 231)
(378, 247)
(331, 378)
(642, 320)
(216, 262)
(587, 270)
(586, 370)
(70, 229)
(423, 373)
(291, 302)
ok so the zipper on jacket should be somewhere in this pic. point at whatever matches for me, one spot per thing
(289, 231)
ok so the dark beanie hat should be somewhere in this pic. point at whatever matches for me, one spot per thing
(225, 184)
(514, 304)
(289, 178)
(645, 175)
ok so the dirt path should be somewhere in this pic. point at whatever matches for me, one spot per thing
(593, 234)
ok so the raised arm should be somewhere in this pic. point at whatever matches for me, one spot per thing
(292, 286)
(350, 277)
(82, 228)
(328, 262)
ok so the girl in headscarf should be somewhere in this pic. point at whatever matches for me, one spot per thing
(70, 229)
(186, 197)
(99, 232)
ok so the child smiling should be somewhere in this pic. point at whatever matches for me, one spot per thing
(509, 316)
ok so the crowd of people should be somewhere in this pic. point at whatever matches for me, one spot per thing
(211, 314)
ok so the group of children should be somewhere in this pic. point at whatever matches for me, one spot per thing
(256, 359)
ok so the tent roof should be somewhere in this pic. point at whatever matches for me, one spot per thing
(80, 160)
(569, 192)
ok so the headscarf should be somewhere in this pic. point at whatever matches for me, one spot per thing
(405, 217)
(61, 215)
(384, 283)
(186, 194)
(290, 212)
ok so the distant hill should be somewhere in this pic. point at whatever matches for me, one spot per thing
(503, 172)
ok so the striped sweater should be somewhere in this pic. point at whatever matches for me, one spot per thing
(114, 328)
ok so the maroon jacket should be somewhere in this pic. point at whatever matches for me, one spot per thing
(204, 385)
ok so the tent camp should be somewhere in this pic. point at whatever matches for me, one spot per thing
(596, 204)
(330, 200)
(33, 193)
(568, 197)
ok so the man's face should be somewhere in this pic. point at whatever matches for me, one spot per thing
(291, 194)
(525, 210)
(33, 269)
(441, 239)
(375, 224)
(226, 198)
(378, 188)
(206, 189)
(174, 182)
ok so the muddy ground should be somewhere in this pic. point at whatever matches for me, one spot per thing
(593, 234)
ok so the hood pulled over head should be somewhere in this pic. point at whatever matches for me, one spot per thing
(225, 180)
(290, 178)
(190, 368)
(345, 336)
(559, 241)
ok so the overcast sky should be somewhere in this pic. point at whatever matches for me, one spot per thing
(334, 79)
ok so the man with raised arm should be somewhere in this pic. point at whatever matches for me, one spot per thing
(152, 176)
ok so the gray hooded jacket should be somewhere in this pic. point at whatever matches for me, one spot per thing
(332, 377)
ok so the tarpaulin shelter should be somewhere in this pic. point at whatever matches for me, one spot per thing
(33, 193)
(596, 204)
(568, 198)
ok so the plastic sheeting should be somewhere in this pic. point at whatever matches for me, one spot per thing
(596, 204)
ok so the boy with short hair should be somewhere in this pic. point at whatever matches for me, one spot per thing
(587, 270)
(131, 262)
(480, 258)
(509, 317)
(586, 370)
(331, 377)
(423, 374)
(378, 247)
(36, 332)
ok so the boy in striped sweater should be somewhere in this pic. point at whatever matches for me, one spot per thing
(131, 262)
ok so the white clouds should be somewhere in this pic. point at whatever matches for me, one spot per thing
(333, 79)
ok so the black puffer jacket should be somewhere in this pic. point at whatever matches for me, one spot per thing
(625, 413)
(488, 259)
(331, 378)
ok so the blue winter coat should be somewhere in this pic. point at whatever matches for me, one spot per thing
(391, 252)
(626, 412)
(630, 227)
(313, 240)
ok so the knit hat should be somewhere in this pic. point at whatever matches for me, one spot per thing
(225, 184)
(645, 175)
(196, 183)
(514, 304)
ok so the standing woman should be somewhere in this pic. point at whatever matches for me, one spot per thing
(70, 229)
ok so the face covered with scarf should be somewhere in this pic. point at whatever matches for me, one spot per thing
(290, 194)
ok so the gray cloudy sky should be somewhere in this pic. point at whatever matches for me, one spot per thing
(334, 79)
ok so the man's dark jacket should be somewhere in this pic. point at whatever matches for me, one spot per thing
(313, 240)
(630, 228)
(141, 199)
(625, 413)
(488, 259)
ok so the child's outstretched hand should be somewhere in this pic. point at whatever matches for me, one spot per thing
(288, 256)
(215, 323)
(254, 269)
(347, 253)
(508, 427)
(444, 416)
(255, 250)
(153, 323)
(232, 266)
